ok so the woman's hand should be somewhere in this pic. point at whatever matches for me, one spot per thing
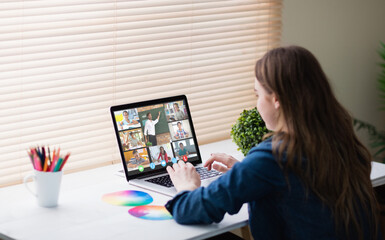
(184, 176)
(225, 159)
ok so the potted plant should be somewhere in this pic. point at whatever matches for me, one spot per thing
(249, 130)
(377, 138)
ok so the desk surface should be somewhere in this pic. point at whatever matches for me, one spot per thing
(82, 214)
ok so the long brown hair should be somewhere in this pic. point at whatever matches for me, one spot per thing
(320, 130)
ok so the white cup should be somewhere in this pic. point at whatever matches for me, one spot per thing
(47, 185)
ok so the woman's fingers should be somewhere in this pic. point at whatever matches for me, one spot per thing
(215, 157)
(225, 159)
(189, 165)
(184, 176)
(209, 162)
(181, 164)
(220, 168)
(176, 166)
(170, 171)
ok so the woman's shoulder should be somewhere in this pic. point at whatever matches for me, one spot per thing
(261, 152)
(261, 162)
(264, 151)
(265, 146)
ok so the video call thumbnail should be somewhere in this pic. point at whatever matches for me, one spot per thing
(127, 119)
(132, 139)
(185, 148)
(161, 152)
(179, 130)
(136, 158)
(154, 125)
(175, 111)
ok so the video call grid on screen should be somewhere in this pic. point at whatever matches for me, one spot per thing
(142, 142)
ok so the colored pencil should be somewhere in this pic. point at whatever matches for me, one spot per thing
(31, 158)
(37, 163)
(64, 161)
(42, 160)
(49, 157)
(58, 165)
(53, 161)
(43, 156)
(45, 164)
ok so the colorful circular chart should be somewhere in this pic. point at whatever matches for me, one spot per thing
(128, 198)
(150, 212)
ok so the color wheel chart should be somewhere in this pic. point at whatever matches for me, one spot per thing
(128, 198)
(150, 212)
(139, 201)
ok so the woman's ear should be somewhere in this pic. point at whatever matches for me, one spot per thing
(276, 102)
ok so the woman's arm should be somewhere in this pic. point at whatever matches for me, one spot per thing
(247, 181)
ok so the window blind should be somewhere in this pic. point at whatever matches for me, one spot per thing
(64, 63)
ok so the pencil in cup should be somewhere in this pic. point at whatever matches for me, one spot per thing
(43, 161)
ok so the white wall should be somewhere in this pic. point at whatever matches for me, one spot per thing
(344, 35)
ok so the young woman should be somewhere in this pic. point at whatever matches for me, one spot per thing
(310, 179)
(162, 154)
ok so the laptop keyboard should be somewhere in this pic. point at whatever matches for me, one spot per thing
(166, 181)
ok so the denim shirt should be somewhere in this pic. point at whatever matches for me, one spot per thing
(277, 210)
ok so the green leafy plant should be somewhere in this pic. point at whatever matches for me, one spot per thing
(377, 138)
(248, 130)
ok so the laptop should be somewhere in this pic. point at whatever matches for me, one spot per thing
(154, 134)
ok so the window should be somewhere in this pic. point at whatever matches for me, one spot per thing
(64, 63)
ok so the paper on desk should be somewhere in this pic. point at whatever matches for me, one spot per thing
(378, 174)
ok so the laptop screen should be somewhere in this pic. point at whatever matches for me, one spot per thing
(154, 134)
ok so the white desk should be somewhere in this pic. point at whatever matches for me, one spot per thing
(82, 214)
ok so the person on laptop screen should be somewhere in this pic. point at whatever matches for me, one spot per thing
(162, 154)
(126, 122)
(149, 129)
(309, 178)
(179, 115)
(134, 141)
(136, 160)
(182, 151)
(180, 132)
